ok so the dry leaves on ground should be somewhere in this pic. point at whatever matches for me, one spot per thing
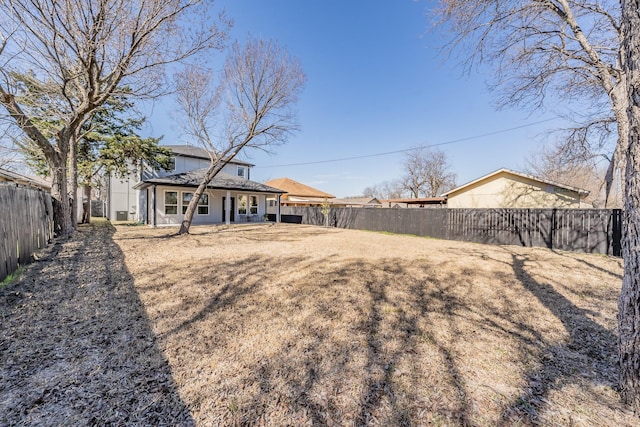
(297, 325)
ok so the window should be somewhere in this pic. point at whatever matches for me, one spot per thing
(171, 202)
(172, 165)
(242, 204)
(203, 204)
(253, 204)
(241, 171)
(186, 199)
(272, 203)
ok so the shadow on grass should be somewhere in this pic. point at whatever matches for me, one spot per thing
(588, 356)
(344, 336)
(276, 340)
(76, 347)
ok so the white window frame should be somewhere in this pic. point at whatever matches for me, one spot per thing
(166, 205)
(251, 206)
(244, 171)
(201, 205)
(242, 197)
(185, 205)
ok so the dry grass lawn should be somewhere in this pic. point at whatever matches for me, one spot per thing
(299, 325)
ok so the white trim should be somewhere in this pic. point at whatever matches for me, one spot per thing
(580, 191)
(250, 206)
(246, 197)
(177, 204)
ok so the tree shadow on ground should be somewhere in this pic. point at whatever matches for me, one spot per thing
(296, 351)
(587, 356)
(76, 347)
(270, 339)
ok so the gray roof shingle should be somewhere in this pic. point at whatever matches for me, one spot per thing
(197, 152)
(222, 181)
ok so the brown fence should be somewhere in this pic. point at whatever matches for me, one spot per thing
(26, 225)
(578, 230)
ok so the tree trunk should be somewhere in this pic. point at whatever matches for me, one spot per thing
(86, 204)
(61, 207)
(73, 180)
(218, 162)
(191, 209)
(629, 303)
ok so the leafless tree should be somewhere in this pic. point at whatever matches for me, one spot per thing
(554, 52)
(629, 302)
(585, 53)
(427, 173)
(10, 156)
(385, 190)
(251, 107)
(82, 53)
(555, 163)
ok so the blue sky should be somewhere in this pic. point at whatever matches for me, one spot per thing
(376, 82)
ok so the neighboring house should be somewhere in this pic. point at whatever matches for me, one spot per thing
(505, 188)
(297, 194)
(42, 184)
(161, 197)
(421, 202)
(356, 202)
(9, 176)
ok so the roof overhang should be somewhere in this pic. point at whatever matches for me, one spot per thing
(222, 181)
(581, 192)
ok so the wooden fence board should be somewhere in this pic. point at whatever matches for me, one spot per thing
(26, 225)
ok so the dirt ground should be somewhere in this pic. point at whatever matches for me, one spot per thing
(282, 324)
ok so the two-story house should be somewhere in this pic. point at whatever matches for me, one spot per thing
(161, 197)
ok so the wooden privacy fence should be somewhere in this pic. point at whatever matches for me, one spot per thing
(578, 230)
(26, 225)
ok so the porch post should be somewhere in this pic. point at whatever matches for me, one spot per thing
(227, 208)
(278, 207)
(153, 196)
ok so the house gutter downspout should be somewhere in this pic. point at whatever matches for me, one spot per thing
(227, 208)
(107, 214)
(278, 207)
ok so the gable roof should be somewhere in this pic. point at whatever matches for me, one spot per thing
(357, 201)
(7, 175)
(580, 191)
(222, 181)
(295, 188)
(197, 153)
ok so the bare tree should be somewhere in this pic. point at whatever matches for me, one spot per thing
(385, 190)
(555, 163)
(562, 51)
(250, 108)
(82, 53)
(629, 302)
(10, 155)
(427, 173)
(575, 50)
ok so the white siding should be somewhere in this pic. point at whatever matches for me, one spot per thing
(122, 197)
(215, 207)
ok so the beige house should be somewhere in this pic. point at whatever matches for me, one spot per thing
(505, 188)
